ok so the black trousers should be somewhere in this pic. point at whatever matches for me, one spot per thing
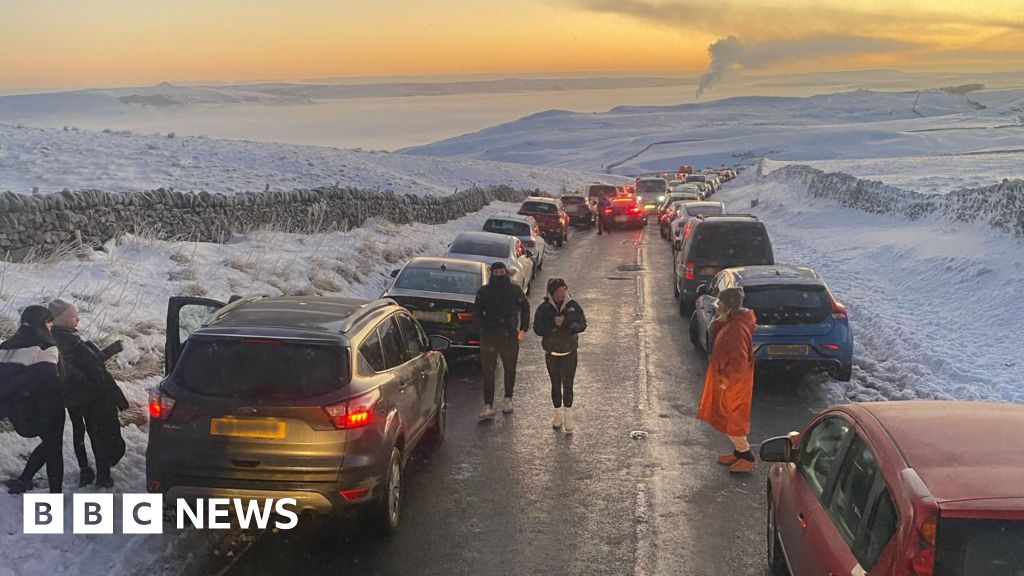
(51, 453)
(562, 371)
(493, 346)
(78, 436)
(602, 223)
(99, 419)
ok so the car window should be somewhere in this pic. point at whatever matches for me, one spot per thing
(478, 247)
(647, 187)
(372, 352)
(438, 280)
(788, 304)
(539, 207)
(734, 245)
(819, 449)
(973, 547)
(414, 341)
(880, 528)
(510, 227)
(850, 499)
(393, 343)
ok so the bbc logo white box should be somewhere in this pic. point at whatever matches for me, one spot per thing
(142, 514)
(43, 513)
(93, 514)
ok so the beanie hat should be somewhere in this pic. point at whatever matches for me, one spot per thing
(497, 266)
(554, 284)
(732, 297)
(59, 308)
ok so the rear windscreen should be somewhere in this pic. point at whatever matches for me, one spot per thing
(980, 547)
(651, 187)
(539, 207)
(436, 280)
(788, 304)
(261, 369)
(507, 227)
(479, 248)
(602, 190)
(573, 200)
(697, 178)
(702, 210)
(729, 246)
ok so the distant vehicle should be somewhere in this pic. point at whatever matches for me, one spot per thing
(322, 400)
(906, 488)
(550, 215)
(440, 292)
(690, 210)
(488, 248)
(624, 212)
(580, 210)
(648, 190)
(698, 178)
(594, 191)
(716, 243)
(685, 169)
(799, 323)
(670, 211)
(525, 228)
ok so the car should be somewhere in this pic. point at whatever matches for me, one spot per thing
(648, 190)
(550, 215)
(488, 247)
(902, 488)
(686, 213)
(697, 191)
(717, 242)
(685, 169)
(670, 211)
(596, 190)
(523, 227)
(799, 322)
(580, 210)
(624, 212)
(318, 399)
(440, 292)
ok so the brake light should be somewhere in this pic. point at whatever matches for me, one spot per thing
(687, 228)
(607, 210)
(926, 522)
(160, 405)
(354, 494)
(634, 210)
(838, 310)
(354, 413)
(474, 342)
(465, 316)
(830, 346)
(689, 271)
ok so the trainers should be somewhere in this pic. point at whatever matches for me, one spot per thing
(567, 424)
(728, 459)
(86, 476)
(486, 414)
(18, 486)
(556, 420)
(744, 463)
(508, 407)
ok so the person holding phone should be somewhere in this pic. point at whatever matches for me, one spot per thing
(503, 314)
(91, 395)
(558, 321)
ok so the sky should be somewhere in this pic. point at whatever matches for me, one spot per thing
(91, 43)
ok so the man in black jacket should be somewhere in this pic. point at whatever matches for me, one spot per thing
(558, 321)
(503, 313)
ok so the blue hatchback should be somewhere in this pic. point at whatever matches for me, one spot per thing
(799, 322)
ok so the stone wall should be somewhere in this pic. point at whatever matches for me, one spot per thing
(44, 223)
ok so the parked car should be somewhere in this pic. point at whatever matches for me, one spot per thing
(906, 488)
(488, 248)
(669, 212)
(525, 228)
(550, 215)
(439, 292)
(799, 323)
(318, 399)
(580, 210)
(688, 211)
(624, 212)
(685, 169)
(648, 190)
(715, 243)
(594, 191)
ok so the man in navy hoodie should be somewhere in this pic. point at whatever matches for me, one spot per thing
(558, 321)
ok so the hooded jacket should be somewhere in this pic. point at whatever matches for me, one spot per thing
(501, 307)
(30, 391)
(731, 363)
(86, 378)
(559, 339)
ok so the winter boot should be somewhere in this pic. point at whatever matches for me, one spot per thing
(729, 459)
(86, 476)
(486, 414)
(556, 420)
(508, 407)
(18, 486)
(745, 463)
(567, 424)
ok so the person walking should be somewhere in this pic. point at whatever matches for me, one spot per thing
(602, 219)
(729, 381)
(91, 395)
(30, 396)
(558, 321)
(503, 315)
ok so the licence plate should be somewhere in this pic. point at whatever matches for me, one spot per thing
(621, 218)
(247, 427)
(432, 316)
(788, 349)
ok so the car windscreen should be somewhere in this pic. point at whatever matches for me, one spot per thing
(510, 227)
(479, 248)
(437, 280)
(651, 187)
(970, 547)
(788, 304)
(539, 207)
(261, 368)
(702, 210)
(696, 178)
(730, 245)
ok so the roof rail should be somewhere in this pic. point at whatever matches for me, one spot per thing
(707, 216)
(365, 310)
(233, 305)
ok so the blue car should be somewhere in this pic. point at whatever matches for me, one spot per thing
(799, 322)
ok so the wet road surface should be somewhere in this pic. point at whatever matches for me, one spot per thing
(516, 497)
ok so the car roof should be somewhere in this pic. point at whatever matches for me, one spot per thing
(483, 236)
(775, 274)
(540, 199)
(727, 219)
(457, 264)
(961, 450)
(295, 313)
(516, 218)
(704, 203)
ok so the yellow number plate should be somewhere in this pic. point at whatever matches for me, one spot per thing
(247, 427)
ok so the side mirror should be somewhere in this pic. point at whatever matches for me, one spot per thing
(531, 254)
(702, 290)
(778, 449)
(394, 273)
(439, 343)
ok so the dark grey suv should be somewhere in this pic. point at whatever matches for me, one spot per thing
(317, 399)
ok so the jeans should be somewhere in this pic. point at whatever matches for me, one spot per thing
(493, 346)
(562, 371)
(99, 419)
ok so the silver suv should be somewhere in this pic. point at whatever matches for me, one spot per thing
(317, 399)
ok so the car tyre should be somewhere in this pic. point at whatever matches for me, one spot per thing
(694, 334)
(685, 308)
(845, 374)
(385, 513)
(436, 433)
(776, 558)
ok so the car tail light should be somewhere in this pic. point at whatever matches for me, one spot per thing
(838, 310)
(634, 210)
(465, 316)
(474, 342)
(607, 210)
(830, 346)
(353, 413)
(355, 494)
(926, 522)
(160, 405)
(689, 271)
(687, 228)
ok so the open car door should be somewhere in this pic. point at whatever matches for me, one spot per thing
(184, 316)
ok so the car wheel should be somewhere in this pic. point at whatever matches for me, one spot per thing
(560, 240)
(386, 512)
(694, 334)
(662, 231)
(776, 559)
(437, 430)
(845, 374)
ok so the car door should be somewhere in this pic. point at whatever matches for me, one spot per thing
(399, 365)
(184, 316)
(800, 513)
(421, 365)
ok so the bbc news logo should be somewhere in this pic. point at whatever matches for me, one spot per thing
(144, 513)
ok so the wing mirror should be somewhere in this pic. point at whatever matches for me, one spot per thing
(780, 448)
(531, 253)
(702, 290)
(439, 343)
(394, 273)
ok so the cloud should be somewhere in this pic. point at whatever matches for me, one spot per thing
(731, 53)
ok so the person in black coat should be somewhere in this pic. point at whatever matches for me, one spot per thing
(30, 396)
(91, 395)
(503, 314)
(558, 321)
(602, 219)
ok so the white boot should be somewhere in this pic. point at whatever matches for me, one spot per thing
(556, 420)
(567, 424)
(507, 407)
(487, 413)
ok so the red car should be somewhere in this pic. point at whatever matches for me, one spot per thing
(550, 215)
(624, 212)
(914, 488)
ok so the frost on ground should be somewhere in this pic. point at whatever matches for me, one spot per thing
(932, 302)
(122, 292)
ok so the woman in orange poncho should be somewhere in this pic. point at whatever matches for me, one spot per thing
(729, 382)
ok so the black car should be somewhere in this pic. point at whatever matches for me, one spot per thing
(318, 399)
(716, 242)
(440, 293)
(580, 210)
